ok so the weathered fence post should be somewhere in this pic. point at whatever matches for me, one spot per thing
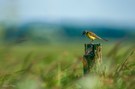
(92, 56)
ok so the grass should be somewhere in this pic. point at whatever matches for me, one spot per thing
(60, 67)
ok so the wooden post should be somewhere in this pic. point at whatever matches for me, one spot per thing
(92, 56)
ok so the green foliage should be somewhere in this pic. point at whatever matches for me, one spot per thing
(60, 67)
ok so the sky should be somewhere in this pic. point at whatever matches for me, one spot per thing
(55, 10)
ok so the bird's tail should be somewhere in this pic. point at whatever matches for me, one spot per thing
(104, 39)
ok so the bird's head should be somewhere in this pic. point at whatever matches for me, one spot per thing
(84, 32)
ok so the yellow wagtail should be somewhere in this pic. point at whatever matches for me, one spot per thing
(92, 36)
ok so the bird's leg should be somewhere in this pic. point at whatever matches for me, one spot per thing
(91, 41)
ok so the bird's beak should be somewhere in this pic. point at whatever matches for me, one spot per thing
(83, 34)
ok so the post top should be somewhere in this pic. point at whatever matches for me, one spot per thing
(98, 44)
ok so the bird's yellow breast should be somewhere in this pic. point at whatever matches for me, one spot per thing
(91, 37)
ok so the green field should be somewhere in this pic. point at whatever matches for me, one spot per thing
(59, 66)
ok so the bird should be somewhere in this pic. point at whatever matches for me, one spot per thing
(92, 36)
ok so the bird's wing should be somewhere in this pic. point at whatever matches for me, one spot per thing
(93, 34)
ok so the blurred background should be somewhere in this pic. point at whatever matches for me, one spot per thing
(54, 21)
(41, 46)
